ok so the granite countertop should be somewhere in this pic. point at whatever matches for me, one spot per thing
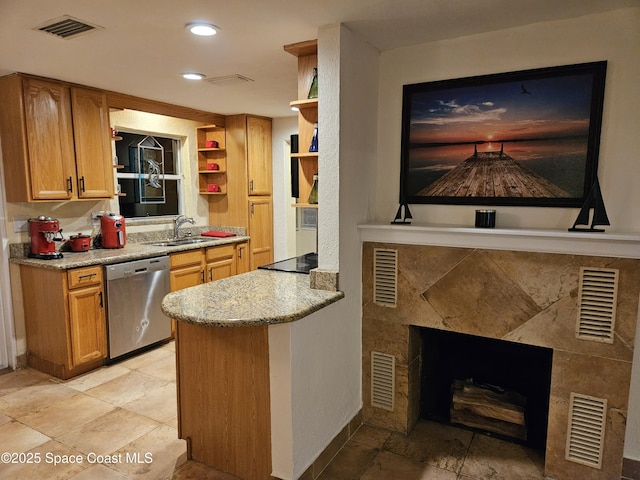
(260, 297)
(133, 250)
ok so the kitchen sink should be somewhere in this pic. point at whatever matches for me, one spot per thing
(174, 243)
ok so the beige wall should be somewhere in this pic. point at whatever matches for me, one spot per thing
(611, 36)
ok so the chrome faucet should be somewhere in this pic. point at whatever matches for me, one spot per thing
(178, 222)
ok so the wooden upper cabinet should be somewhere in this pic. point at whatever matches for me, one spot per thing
(49, 140)
(55, 140)
(259, 155)
(92, 143)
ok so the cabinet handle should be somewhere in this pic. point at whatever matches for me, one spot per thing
(101, 302)
(251, 186)
(82, 183)
(202, 276)
(70, 185)
(89, 275)
(211, 274)
(240, 252)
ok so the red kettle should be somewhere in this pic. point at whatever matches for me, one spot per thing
(112, 228)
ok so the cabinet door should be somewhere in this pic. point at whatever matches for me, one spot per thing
(259, 155)
(221, 262)
(50, 140)
(87, 325)
(92, 143)
(186, 277)
(242, 258)
(261, 231)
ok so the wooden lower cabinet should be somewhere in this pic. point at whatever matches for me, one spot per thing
(194, 267)
(223, 397)
(64, 319)
(242, 258)
(220, 262)
(187, 269)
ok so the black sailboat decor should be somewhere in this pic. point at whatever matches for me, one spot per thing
(403, 215)
(593, 200)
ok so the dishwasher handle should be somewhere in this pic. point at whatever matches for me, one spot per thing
(137, 271)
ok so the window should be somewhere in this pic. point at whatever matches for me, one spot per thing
(148, 175)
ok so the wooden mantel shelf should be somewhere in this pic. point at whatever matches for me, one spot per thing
(608, 244)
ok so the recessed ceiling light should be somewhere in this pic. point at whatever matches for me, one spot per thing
(193, 76)
(202, 29)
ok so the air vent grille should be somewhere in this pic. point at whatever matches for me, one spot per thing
(66, 27)
(585, 432)
(385, 277)
(235, 79)
(382, 380)
(597, 308)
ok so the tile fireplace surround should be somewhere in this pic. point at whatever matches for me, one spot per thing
(521, 287)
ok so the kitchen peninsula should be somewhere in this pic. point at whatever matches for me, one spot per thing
(222, 354)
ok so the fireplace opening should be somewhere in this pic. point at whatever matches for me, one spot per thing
(492, 386)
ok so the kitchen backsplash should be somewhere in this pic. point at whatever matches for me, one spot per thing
(19, 250)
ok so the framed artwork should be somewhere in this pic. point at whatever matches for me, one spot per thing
(520, 138)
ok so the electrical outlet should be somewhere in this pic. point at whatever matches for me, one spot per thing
(20, 224)
(95, 218)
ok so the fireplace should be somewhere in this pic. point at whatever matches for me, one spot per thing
(508, 384)
(527, 298)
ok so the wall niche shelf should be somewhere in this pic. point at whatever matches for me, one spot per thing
(208, 155)
(304, 205)
(307, 103)
(307, 53)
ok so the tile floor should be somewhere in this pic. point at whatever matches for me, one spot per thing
(121, 422)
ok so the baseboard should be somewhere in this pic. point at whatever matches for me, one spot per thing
(630, 469)
(334, 447)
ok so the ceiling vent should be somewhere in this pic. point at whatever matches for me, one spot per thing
(228, 80)
(382, 380)
(597, 298)
(585, 432)
(67, 27)
(385, 277)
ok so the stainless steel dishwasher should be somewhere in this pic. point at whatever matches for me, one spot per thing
(134, 293)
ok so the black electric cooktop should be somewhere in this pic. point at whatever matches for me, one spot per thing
(302, 264)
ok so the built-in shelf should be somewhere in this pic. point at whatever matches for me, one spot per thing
(208, 155)
(614, 244)
(307, 103)
(304, 205)
(205, 149)
(307, 164)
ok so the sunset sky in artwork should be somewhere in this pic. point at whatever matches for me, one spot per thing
(529, 109)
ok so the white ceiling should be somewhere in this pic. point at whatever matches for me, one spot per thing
(143, 46)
